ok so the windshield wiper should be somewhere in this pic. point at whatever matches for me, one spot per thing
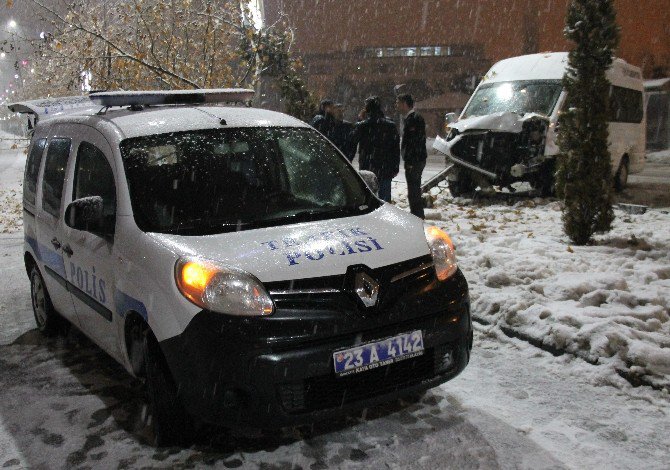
(310, 214)
(203, 227)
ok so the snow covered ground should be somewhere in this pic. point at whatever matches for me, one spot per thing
(11, 171)
(662, 156)
(608, 303)
(563, 335)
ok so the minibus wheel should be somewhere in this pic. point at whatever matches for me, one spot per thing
(465, 184)
(545, 180)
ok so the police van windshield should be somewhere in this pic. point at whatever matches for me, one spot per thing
(214, 181)
(519, 97)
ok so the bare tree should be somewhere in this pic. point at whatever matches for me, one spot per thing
(172, 44)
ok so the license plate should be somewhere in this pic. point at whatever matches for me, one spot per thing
(378, 354)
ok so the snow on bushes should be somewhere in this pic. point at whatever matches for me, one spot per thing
(608, 303)
(11, 211)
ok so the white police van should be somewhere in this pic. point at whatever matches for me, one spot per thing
(233, 259)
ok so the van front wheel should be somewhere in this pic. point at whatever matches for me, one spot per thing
(170, 423)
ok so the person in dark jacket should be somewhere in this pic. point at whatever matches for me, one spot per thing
(325, 122)
(378, 145)
(413, 151)
(342, 135)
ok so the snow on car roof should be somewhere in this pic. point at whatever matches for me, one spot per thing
(549, 66)
(165, 119)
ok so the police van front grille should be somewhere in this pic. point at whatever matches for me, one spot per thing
(328, 391)
(395, 275)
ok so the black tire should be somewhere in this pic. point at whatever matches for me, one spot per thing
(621, 176)
(545, 181)
(170, 423)
(463, 186)
(48, 321)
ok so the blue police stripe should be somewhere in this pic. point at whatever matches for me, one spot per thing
(125, 303)
(53, 260)
(55, 263)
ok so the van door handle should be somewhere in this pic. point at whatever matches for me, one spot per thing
(67, 250)
(55, 243)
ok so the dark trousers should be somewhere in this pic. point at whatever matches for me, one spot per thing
(385, 189)
(413, 176)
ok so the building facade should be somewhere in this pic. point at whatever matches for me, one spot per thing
(437, 50)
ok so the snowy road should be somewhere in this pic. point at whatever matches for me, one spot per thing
(65, 404)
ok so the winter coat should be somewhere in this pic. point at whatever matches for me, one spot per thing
(378, 146)
(413, 147)
(342, 139)
(326, 124)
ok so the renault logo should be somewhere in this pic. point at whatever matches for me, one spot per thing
(367, 289)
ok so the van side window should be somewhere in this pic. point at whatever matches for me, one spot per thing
(625, 105)
(54, 175)
(32, 169)
(93, 176)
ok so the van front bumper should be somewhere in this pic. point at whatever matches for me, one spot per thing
(240, 371)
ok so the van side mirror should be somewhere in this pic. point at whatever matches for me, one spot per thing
(371, 180)
(450, 118)
(87, 214)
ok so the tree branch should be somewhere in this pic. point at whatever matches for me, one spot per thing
(155, 68)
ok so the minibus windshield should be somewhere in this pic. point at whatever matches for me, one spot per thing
(222, 180)
(521, 97)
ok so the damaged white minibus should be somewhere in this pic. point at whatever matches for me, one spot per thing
(507, 131)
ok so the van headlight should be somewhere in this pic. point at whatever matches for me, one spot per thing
(222, 289)
(442, 250)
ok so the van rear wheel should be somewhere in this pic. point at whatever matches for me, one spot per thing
(48, 321)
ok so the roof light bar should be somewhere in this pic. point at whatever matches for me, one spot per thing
(53, 106)
(143, 98)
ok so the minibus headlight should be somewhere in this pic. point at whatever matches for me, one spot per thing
(442, 250)
(221, 289)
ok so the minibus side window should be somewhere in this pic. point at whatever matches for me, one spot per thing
(32, 169)
(54, 175)
(625, 105)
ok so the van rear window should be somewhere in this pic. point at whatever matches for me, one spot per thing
(54, 175)
(32, 169)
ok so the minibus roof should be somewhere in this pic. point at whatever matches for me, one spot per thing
(552, 65)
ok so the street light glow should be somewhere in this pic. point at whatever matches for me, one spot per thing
(12, 24)
(2, 55)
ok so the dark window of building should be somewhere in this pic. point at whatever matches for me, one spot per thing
(427, 51)
(32, 169)
(54, 175)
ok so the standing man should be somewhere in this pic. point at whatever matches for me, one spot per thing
(342, 135)
(413, 151)
(378, 145)
(324, 121)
